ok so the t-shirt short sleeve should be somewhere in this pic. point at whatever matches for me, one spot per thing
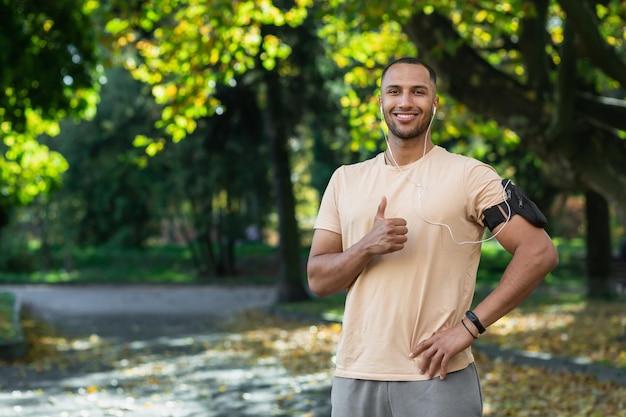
(483, 188)
(328, 215)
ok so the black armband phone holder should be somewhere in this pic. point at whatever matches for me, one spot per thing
(517, 202)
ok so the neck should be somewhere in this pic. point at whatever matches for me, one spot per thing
(403, 152)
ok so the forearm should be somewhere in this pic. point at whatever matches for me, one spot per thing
(331, 269)
(331, 273)
(528, 267)
(530, 264)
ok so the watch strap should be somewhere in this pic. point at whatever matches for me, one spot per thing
(474, 319)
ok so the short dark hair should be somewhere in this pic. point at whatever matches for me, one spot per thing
(412, 61)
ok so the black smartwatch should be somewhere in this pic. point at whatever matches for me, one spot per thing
(472, 317)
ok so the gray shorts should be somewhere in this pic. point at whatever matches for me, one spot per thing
(459, 395)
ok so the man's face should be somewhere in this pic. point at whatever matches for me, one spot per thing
(407, 99)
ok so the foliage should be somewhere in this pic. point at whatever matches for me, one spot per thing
(16, 254)
(566, 330)
(28, 168)
(359, 42)
(216, 184)
(365, 53)
(8, 330)
(47, 55)
(195, 46)
(108, 189)
(240, 71)
(552, 321)
(206, 61)
(362, 54)
(47, 71)
(534, 86)
(260, 361)
(486, 52)
(153, 264)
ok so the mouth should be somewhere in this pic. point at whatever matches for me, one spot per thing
(405, 117)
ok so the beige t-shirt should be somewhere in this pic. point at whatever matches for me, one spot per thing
(404, 297)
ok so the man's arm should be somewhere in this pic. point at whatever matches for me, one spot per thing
(331, 270)
(534, 256)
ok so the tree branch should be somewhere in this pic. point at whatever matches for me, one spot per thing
(606, 110)
(601, 54)
(470, 78)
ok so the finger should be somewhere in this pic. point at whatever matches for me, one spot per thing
(402, 230)
(380, 213)
(418, 349)
(443, 368)
(398, 222)
(424, 364)
(435, 363)
(427, 365)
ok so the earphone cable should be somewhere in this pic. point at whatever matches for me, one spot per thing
(420, 189)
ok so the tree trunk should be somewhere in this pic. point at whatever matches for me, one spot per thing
(290, 285)
(599, 253)
(225, 230)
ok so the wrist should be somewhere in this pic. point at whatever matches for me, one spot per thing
(474, 336)
(475, 321)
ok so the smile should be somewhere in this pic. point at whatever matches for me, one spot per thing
(404, 116)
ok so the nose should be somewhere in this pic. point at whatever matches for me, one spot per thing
(404, 100)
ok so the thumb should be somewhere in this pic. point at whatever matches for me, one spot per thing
(380, 213)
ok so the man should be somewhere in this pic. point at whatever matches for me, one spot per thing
(401, 233)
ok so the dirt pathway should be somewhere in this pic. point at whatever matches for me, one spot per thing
(152, 351)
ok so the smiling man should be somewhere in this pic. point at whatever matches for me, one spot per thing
(401, 233)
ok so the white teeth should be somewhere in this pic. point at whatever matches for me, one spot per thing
(404, 116)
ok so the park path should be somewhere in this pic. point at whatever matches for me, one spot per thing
(152, 351)
(52, 301)
(161, 351)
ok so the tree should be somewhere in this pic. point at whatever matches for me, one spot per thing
(551, 118)
(108, 189)
(581, 149)
(48, 60)
(598, 247)
(549, 74)
(187, 50)
(553, 72)
(218, 180)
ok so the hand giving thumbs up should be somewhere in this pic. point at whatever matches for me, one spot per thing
(387, 234)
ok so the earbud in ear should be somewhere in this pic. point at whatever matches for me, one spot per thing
(434, 110)
(381, 109)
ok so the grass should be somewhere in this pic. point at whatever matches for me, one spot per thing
(569, 272)
(257, 264)
(8, 330)
(565, 285)
(151, 265)
(329, 308)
